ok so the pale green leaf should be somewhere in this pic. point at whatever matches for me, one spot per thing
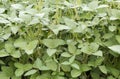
(19, 72)
(50, 52)
(103, 69)
(3, 53)
(115, 48)
(118, 38)
(53, 43)
(30, 72)
(75, 73)
(74, 65)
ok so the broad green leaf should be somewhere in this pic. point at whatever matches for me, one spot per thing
(66, 54)
(17, 6)
(66, 68)
(20, 43)
(98, 53)
(3, 53)
(4, 21)
(16, 54)
(8, 71)
(72, 59)
(71, 48)
(75, 73)
(30, 72)
(14, 29)
(9, 47)
(31, 46)
(53, 43)
(76, 66)
(118, 38)
(37, 63)
(6, 36)
(57, 28)
(27, 67)
(85, 67)
(2, 10)
(103, 69)
(34, 21)
(115, 48)
(115, 72)
(66, 63)
(70, 22)
(110, 77)
(52, 65)
(3, 76)
(19, 72)
(112, 28)
(50, 52)
(19, 65)
(93, 5)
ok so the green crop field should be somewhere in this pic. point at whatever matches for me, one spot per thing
(59, 39)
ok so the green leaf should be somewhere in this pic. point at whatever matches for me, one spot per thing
(53, 43)
(27, 67)
(31, 46)
(17, 6)
(50, 52)
(115, 72)
(57, 28)
(19, 65)
(66, 54)
(115, 48)
(16, 54)
(112, 28)
(19, 72)
(103, 69)
(2, 10)
(85, 67)
(118, 38)
(52, 65)
(98, 53)
(14, 29)
(3, 76)
(70, 22)
(20, 43)
(8, 71)
(37, 63)
(75, 73)
(74, 65)
(71, 60)
(9, 47)
(30, 72)
(3, 53)
(71, 48)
